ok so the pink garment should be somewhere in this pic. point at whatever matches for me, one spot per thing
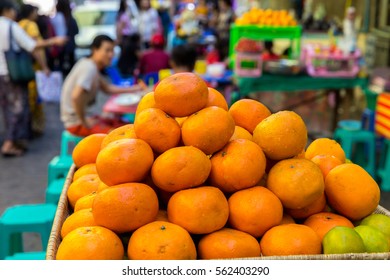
(153, 61)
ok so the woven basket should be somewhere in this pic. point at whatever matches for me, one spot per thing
(63, 212)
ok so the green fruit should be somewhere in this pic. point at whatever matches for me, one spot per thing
(374, 240)
(378, 221)
(342, 240)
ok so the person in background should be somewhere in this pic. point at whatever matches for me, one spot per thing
(224, 19)
(128, 40)
(183, 58)
(14, 96)
(27, 20)
(149, 22)
(81, 86)
(65, 25)
(268, 53)
(349, 29)
(155, 59)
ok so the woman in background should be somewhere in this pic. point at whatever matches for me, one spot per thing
(149, 22)
(27, 21)
(128, 40)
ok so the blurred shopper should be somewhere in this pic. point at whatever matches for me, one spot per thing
(14, 96)
(64, 25)
(225, 19)
(149, 22)
(81, 86)
(155, 59)
(128, 39)
(183, 58)
(27, 20)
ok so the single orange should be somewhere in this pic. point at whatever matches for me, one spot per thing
(290, 239)
(216, 99)
(90, 243)
(248, 113)
(82, 218)
(326, 163)
(239, 165)
(129, 159)
(122, 132)
(87, 149)
(181, 94)
(296, 182)
(81, 187)
(325, 146)
(158, 129)
(228, 243)
(180, 168)
(208, 130)
(161, 240)
(351, 191)
(85, 202)
(89, 168)
(323, 222)
(199, 210)
(282, 135)
(254, 210)
(241, 133)
(147, 101)
(126, 207)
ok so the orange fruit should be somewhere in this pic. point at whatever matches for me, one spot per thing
(129, 159)
(147, 101)
(282, 135)
(317, 206)
(290, 239)
(241, 133)
(228, 243)
(102, 186)
(125, 207)
(248, 113)
(325, 146)
(254, 210)
(199, 210)
(208, 130)
(326, 163)
(180, 168)
(296, 182)
(87, 169)
(158, 129)
(239, 165)
(287, 219)
(216, 99)
(351, 191)
(162, 215)
(81, 187)
(87, 149)
(323, 222)
(90, 243)
(122, 132)
(85, 202)
(82, 218)
(161, 240)
(181, 94)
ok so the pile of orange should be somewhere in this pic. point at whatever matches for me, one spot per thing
(193, 178)
(266, 17)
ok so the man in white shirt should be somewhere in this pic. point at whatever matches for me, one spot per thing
(14, 96)
(81, 87)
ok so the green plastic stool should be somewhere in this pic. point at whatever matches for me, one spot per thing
(359, 147)
(384, 166)
(53, 191)
(68, 142)
(58, 168)
(24, 218)
(27, 256)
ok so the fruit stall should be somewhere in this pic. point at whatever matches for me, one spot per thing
(195, 179)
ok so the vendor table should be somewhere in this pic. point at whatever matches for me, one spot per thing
(302, 82)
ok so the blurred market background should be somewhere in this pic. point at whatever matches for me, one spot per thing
(24, 180)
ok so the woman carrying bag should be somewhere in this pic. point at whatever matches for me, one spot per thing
(14, 77)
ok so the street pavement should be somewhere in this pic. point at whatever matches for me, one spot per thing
(23, 180)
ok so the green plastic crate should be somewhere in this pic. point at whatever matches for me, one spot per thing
(256, 32)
